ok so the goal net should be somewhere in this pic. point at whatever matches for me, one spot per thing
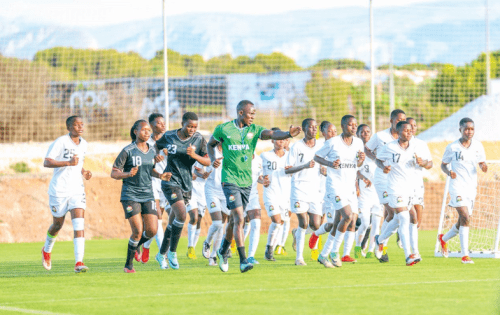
(485, 220)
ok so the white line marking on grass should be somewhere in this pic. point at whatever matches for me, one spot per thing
(262, 290)
(28, 311)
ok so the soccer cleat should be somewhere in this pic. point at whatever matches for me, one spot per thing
(444, 246)
(268, 255)
(314, 254)
(313, 240)
(325, 262)
(145, 255)
(277, 250)
(349, 259)
(370, 255)
(212, 261)
(137, 256)
(411, 260)
(384, 258)
(191, 253)
(129, 270)
(400, 244)
(300, 262)
(379, 248)
(233, 246)
(467, 260)
(223, 264)
(206, 250)
(335, 258)
(416, 257)
(80, 267)
(245, 266)
(294, 243)
(283, 251)
(46, 262)
(252, 260)
(172, 260)
(162, 261)
(358, 253)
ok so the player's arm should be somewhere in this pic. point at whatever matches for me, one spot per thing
(448, 172)
(371, 146)
(117, 170)
(279, 134)
(364, 179)
(86, 174)
(50, 163)
(325, 162)
(165, 176)
(212, 143)
(483, 166)
(199, 153)
(369, 153)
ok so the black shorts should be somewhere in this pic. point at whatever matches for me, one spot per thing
(236, 196)
(132, 208)
(174, 194)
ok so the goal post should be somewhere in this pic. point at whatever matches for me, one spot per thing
(484, 235)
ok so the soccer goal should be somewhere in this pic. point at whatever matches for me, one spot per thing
(485, 221)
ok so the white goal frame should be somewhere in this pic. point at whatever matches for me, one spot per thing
(494, 253)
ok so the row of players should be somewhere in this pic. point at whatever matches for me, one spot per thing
(310, 178)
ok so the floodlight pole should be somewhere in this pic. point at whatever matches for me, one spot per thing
(165, 66)
(372, 70)
(488, 75)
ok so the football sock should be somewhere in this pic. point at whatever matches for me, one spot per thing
(212, 230)
(375, 230)
(360, 233)
(79, 243)
(451, 233)
(191, 231)
(348, 242)
(132, 248)
(144, 239)
(196, 237)
(414, 238)
(166, 240)
(339, 237)
(321, 230)
(254, 237)
(464, 240)
(241, 252)
(327, 248)
(300, 235)
(277, 239)
(286, 230)
(309, 230)
(404, 231)
(246, 230)
(49, 243)
(176, 235)
(159, 234)
(271, 233)
(147, 244)
(390, 228)
(217, 241)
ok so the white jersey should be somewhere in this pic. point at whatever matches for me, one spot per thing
(402, 161)
(279, 189)
(159, 167)
(305, 183)
(256, 172)
(343, 179)
(368, 170)
(67, 181)
(213, 182)
(426, 156)
(199, 182)
(376, 142)
(463, 162)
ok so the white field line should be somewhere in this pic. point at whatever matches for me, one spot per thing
(261, 290)
(28, 311)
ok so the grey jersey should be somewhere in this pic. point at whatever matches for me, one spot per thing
(138, 188)
(178, 162)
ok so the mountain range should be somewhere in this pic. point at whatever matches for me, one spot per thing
(437, 32)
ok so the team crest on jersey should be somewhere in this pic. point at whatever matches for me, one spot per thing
(337, 198)
(329, 215)
(400, 199)
(271, 208)
(296, 205)
(54, 209)
(231, 198)
(129, 208)
(250, 135)
(385, 195)
(212, 205)
(173, 196)
(459, 198)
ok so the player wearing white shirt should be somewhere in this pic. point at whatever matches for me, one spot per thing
(369, 205)
(417, 201)
(157, 123)
(280, 249)
(276, 183)
(459, 162)
(343, 155)
(196, 207)
(217, 207)
(376, 142)
(305, 199)
(398, 159)
(66, 191)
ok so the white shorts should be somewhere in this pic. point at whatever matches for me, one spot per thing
(275, 208)
(329, 210)
(197, 202)
(399, 201)
(216, 203)
(463, 200)
(61, 205)
(418, 197)
(381, 189)
(158, 193)
(370, 206)
(253, 203)
(344, 199)
(299, 206)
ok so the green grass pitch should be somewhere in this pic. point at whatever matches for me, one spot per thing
(435, 286)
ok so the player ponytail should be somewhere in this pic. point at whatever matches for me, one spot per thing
(136, 125)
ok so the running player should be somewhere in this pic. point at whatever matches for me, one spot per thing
(252, 210)
(239, 138)
(185, 146)
(418, 198)
(459, 163)
(196, 208)
(276, 183)
(343, 155)
(66, 191)
(376, 142)
(305, 198)
(280, 249)
(135, 166)
(398, 159)
(157, 123)
(369, 205)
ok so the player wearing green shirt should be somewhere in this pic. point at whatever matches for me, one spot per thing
(239, 138)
